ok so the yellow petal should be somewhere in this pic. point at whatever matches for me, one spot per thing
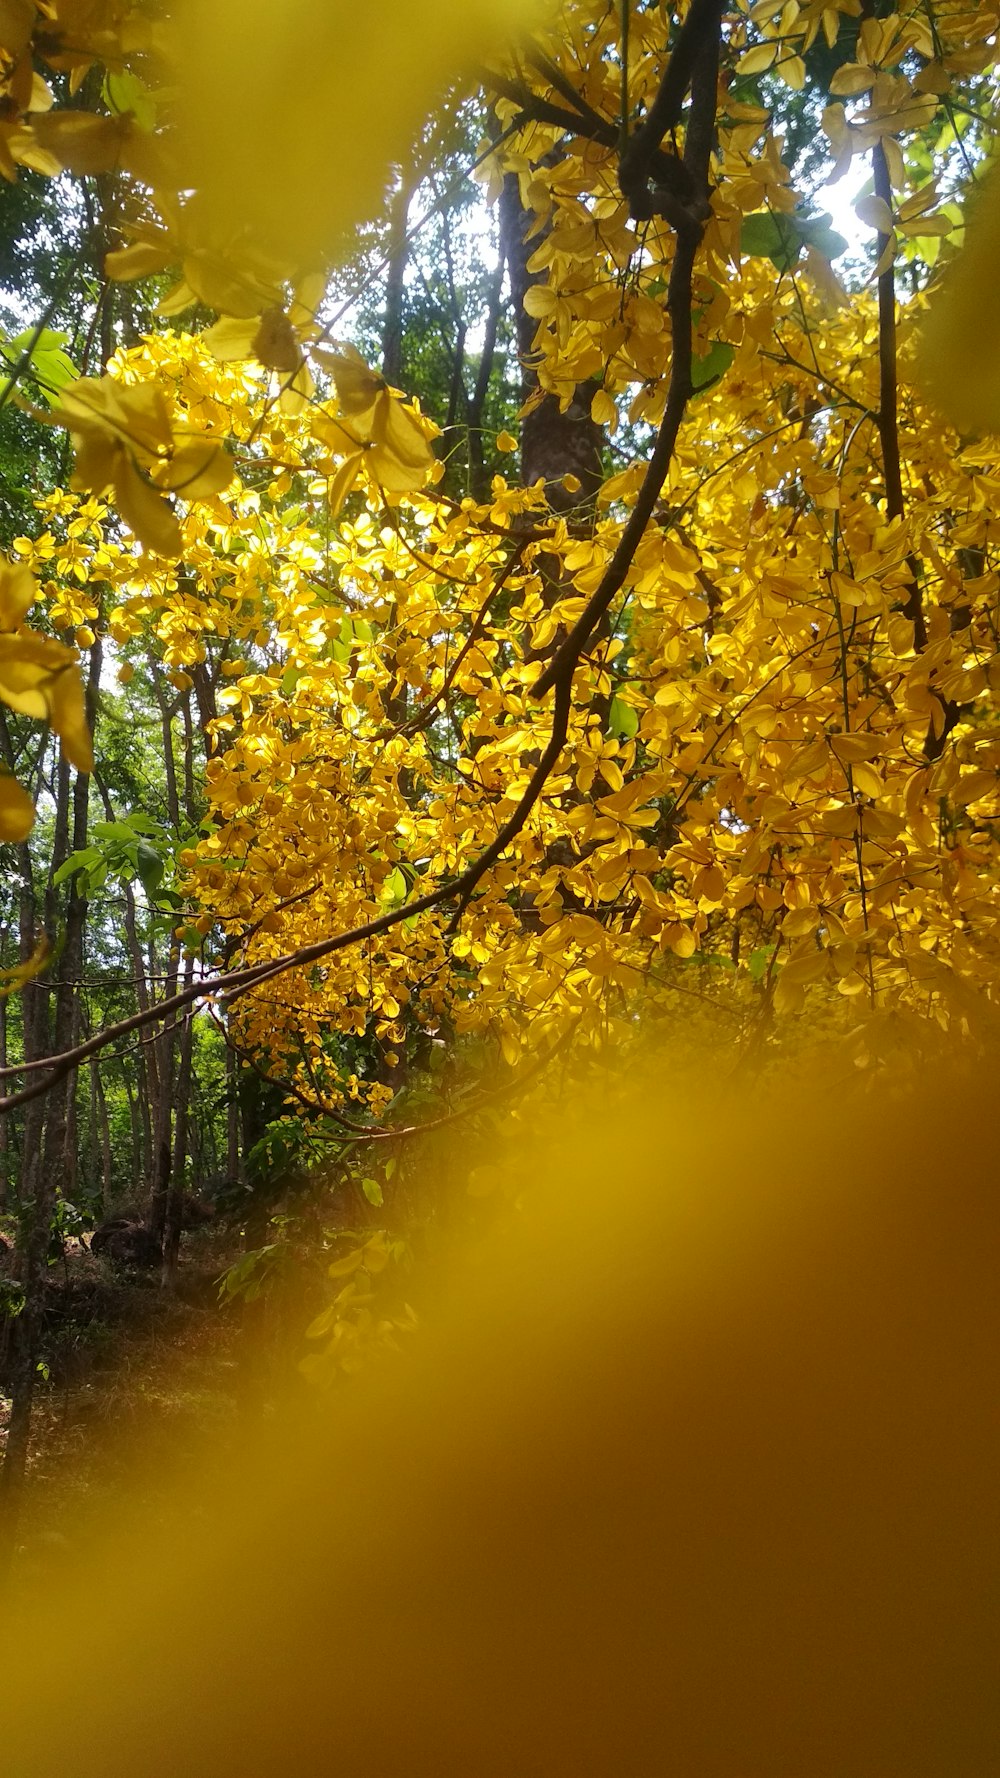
(225, 285)
(68, 716)
(309, 293)
(40, 678)
(95, 459)
(139, 416)
(83, 142)
(141, 260)
(297, 391)
(198, 467)
(142, 415)
(17, 811)
(179, 297)
(340, 438)
(392, 476)
(603, 411)
(358, 388)
(343, 482)
(397, 434)
(145, 511)
(231, 339)
(17, 592)
(17, 21)
(28, 665)
(28, 152)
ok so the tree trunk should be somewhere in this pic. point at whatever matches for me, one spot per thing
(234, 1152)
(553, 444)
(34, 1208)
(146, 1056)
(392, 327)
(479, 485)
(174, 1217)
(142, 1141)
(104, 1126)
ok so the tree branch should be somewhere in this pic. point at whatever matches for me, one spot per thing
(679, 304)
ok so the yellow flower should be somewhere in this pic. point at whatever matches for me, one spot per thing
(377, 433)
(120, 431)
(39, 678)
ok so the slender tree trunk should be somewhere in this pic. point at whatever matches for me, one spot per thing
(475, 413)
(142, 1145)
(392, 329)
(174, 1217)
(234, 1152)
(165, 1049)
(162, 1162)
(104, 1127)
(72, 822)
(54, 1102)
(60, 1134)
(34, 1211)
(147, 1054)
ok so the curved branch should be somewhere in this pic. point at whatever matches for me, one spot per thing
(679, 304)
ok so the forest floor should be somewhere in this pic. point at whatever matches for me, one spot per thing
(140, 1379)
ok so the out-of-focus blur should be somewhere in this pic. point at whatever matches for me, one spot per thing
(961, 337)
(692, 1469)
(291, 116)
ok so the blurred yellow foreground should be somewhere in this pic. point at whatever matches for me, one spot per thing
(694, 1475)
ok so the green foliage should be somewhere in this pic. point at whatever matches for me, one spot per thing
(135, 849)
(37, 355)
(770, 234)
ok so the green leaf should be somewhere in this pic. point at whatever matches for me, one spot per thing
(48, 363)
(324, 1321)
(140, 822)
(816, 232)
(125, 92)
(149, 866)
(340, 647)
(769, 235)
(394, 889)
(758, 963)
(83, 860)
(373, 1192)
(707, 369)
(623, 721)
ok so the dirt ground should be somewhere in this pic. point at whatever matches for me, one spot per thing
(139, 1379)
